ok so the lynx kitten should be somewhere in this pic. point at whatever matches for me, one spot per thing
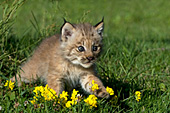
(67, 60)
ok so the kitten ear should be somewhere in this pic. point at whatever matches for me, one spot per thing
(99, 27)
(67, 30)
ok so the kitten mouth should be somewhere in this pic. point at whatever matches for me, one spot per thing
(86, 65)
(88, 61)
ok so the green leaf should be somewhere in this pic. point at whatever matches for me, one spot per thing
(12, 96)
(162, 87)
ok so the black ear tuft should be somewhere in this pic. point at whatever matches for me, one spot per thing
(63, 24)
(66, 30)
(64, 20)
(102, 19)
(100, 27)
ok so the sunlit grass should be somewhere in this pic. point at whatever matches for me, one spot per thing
(135, 57)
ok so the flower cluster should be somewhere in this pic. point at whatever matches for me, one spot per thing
(110, 90)
(9, 84)
(138, 95)
(91, 100)
(74, 99)
(94, 86)
(45, 92)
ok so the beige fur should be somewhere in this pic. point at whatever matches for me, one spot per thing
(62, 62)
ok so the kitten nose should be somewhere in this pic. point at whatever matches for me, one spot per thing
(90, 58)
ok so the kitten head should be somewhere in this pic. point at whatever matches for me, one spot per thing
(81, 43)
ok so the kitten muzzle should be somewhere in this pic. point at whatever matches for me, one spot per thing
(90, 58)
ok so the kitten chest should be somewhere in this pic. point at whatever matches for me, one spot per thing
(72, 78)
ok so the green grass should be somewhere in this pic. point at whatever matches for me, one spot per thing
(135, 55)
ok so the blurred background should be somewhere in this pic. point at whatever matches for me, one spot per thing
(132, 17)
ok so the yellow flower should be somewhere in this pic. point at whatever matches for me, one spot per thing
(64, 95)
(49, 94)
(74, 102)
(93, 82)
(44, 92)
(91, 100)
(69, 103)
(33, 101)
(74, 96)
(74, 92)
(138, 95)
(36, 97)
(38, 90)
(9, 84)
(110, 90)
(94, 86)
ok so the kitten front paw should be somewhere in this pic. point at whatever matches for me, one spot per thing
(102, 93)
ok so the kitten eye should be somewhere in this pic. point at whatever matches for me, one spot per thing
(81, 48)
(94, 48)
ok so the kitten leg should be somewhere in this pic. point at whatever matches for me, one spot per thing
(55, 83)
(26, 74)
(22, 78)
(86, 83)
